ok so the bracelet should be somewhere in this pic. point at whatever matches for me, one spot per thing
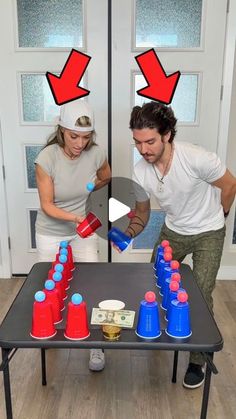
(226, 214)
(138, 224)
(140, 220)
(132, 230)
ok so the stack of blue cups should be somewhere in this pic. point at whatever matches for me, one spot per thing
(166, 289)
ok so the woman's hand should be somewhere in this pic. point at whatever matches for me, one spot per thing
(78, 219)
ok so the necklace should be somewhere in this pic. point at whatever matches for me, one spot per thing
(160, 179)
(72, 157)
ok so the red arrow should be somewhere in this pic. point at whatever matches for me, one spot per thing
(160, 86)
(65, 87)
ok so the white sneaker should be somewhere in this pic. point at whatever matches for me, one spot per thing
(97, 360)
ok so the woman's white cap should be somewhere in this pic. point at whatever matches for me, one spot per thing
(71, 111)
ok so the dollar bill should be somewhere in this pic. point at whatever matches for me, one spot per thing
(121, 318)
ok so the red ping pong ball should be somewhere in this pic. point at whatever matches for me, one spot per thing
(176, 277)
(167, 257)
(174, 286)
(165, 243)
(131, 214)
(168, 249)
(150, 296)
(174, 264)
(182, 296)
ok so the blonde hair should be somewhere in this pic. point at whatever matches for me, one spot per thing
(58, 136)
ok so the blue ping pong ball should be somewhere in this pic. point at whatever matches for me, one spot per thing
(64, 243)
(39, 296)
(64, 251)
(76, 299)
(62, 258)
(57, 276)
(49, 285)
(90, 186)
(59, 267)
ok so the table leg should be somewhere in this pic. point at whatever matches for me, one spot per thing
(6, 380)
(206, 389)
(43, 365)
(176, 354)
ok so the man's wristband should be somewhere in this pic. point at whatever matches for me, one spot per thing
(226, 213)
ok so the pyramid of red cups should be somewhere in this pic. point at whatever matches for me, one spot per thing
(50, 302)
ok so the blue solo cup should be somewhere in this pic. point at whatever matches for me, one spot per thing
(119, 238)
(159, 254)
(166, 291)
(179, 320)
(172, 295)
(148, 326)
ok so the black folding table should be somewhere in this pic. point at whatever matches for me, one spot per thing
(100, 281)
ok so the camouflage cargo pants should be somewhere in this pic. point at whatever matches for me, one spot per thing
(206, 249)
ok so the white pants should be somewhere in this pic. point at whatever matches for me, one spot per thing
(84, 250)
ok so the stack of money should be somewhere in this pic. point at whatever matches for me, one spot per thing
(121, 318)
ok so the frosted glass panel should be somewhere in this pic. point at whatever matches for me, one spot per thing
(168, 23)
(37, 99)
(150, 234)
(31, 152)
(184, 102)
(50, 23)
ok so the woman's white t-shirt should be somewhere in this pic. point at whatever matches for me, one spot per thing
(191, 203)
(70, 178)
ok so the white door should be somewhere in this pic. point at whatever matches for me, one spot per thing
(38, 37)
(187, 36)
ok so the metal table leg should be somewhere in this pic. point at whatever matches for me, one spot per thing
(6, 381)
(43, 365)
(176, 354)
(209, 368)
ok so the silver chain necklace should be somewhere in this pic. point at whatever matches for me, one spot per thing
(160, 179)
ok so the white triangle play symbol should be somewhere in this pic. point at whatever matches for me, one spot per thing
(117, 209)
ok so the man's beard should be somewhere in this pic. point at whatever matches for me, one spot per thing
(156, 157)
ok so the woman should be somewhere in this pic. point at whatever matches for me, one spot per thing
(68, 162)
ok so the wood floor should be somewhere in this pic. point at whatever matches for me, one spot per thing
(134, 384)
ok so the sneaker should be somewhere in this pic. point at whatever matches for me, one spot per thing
(97, 360)
(194, 376)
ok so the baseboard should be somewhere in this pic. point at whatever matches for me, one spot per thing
(4, 272)
(227, 272)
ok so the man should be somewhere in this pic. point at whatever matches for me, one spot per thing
(109, 317)
(196, 192)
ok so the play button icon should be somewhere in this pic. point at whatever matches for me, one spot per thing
(118, 206)
(117, 209)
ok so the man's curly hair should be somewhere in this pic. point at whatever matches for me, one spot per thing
(154, 115)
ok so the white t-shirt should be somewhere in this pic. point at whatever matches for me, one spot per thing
(191, 203)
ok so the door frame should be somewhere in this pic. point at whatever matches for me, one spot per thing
(223, 131)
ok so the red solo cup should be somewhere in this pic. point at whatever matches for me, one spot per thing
(65, 280)
(67, 273)
(77, 321)
(61, 300)
(42, 320)
(70, 258)
(52, 295)
(50, 273)
(90, 224)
